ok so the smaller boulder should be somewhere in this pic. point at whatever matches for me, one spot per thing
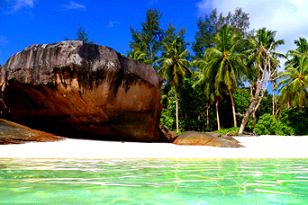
(206, 139)
(13, 133)
(169, 135)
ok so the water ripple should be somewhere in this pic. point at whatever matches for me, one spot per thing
(89, 181)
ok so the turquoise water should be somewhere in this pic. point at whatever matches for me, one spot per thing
(198, 182)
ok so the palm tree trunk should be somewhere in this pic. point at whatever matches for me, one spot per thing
(253, 104)
(289, 104)
(254, 117)
(207, 117)
(246, 116)
(233, 108)
(273, 99)
(217, 114)
(177, 112)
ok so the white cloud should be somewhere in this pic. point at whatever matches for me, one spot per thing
(288, 17)
(72, 5)
(112, 24)
(204, 6)
(21, 4)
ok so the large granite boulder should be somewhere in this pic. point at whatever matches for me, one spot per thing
(12, 133)
(82, 90)
(206, 139)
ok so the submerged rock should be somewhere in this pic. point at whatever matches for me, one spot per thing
(82, 90)
(12, 133)
(207, 139)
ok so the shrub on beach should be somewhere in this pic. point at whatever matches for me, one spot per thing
(268, 125)
(297, 119)
(230, 131)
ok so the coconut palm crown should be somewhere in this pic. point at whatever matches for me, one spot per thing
(262, 59)
(225, 63)
(174, 68)
(294, 84)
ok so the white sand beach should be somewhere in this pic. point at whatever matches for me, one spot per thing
(254, 147)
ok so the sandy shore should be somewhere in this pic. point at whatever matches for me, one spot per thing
(255, 147)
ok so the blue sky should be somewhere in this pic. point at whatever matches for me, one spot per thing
(26, 22)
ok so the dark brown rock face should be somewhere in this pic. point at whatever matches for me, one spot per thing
(206, 139)
(12, 133)
(82, 90)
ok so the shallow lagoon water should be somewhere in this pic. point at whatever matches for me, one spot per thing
(153, 181)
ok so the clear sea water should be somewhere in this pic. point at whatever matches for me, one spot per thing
(201, 182)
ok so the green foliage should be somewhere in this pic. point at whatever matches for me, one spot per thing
(174, 63)
(241, 99)
(193, 108)
(171, 34)
(148, 40)
(283, 129)
(266, 105)
(295, 83)
(261, 61)
(250, 125)
(230, 131)
(239, 20)
(205, 34)
(297, 119)
(295, 55)
(138, 55)
(225, 63)
(82, 35)
(265, 125)
(226, 55)
(262, 55)
(268, 125)
(174, 66)
(168, 112)
(213, 23)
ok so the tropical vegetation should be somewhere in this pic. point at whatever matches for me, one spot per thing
(229, 78)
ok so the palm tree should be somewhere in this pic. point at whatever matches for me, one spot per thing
(274, 75)
(139, 55)
(262, 59)
(225, 61)
(292, 92)
(295, 55)
(294, 84)
(302, 45)
(205, 81)
(174, 68)
(266, 43)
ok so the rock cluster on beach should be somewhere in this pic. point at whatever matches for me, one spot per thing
(206, 139)
(82, 90)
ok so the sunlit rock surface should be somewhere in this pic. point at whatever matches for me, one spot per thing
(12, 133)
(206, 139)
(83, 91)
